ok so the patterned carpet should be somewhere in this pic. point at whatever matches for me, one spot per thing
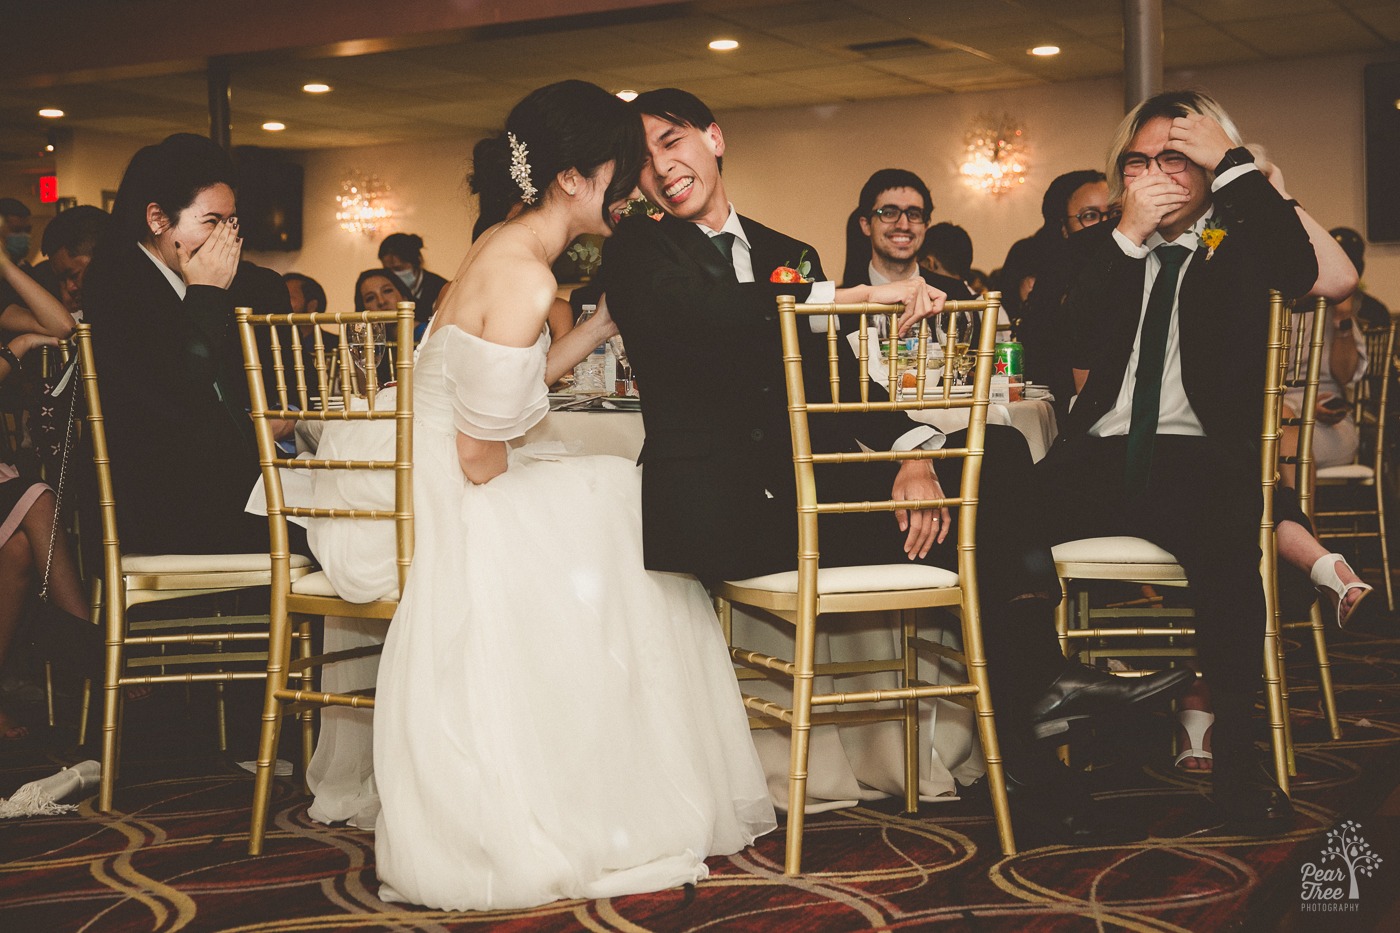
(175, 859)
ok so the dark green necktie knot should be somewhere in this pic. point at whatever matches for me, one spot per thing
(1152, 354)
(724, 242)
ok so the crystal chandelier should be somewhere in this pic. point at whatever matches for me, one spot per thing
(995, 156)
(363, 204)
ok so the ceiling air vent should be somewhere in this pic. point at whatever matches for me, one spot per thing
(892, 48)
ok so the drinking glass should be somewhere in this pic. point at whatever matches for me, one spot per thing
(366, 343)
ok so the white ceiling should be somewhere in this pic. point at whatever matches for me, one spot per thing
(790, 53)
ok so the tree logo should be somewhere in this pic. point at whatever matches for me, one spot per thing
(1330, 883)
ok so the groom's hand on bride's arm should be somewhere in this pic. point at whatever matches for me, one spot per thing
(923, 527)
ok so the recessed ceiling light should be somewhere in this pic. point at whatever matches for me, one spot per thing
(724, 45)
(274, 127)
(627, 95)
(315, 88)
(53, 113)
(1044, 50)
(49, 148)
(1397, 103)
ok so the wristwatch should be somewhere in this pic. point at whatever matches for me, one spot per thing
(1234, 159)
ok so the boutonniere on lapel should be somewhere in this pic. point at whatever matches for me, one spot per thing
(1212, 236)
(797, 272)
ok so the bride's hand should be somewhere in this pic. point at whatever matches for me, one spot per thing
(603, 320)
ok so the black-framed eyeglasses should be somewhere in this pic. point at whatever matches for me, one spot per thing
(1092, 215)
(1169, 161)
(890, 214)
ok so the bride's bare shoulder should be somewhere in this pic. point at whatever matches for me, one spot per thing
(503, 291)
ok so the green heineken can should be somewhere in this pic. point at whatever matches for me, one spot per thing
(1009, 362)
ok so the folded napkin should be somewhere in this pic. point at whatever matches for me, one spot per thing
(41, 797)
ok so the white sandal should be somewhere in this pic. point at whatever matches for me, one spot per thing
(1324, 576)
(1195, 722)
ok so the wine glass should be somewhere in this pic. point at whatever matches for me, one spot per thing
(366, 342)
(963, 361)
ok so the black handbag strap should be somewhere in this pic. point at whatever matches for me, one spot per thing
(69, 373)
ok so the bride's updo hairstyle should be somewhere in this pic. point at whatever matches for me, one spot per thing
(570, 124)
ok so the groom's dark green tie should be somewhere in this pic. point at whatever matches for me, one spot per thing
(724, 242)
(1152, 353)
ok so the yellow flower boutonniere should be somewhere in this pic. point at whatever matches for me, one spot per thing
(1212, 236)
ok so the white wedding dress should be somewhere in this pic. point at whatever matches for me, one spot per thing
(552, 720)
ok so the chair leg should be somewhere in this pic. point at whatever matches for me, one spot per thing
(221, 712)
(724, 609)
(96, 616)
(805, 645)
(308, 717)
(976, 659)
(278, 656)
(909, 632)
(48, 691)
(1324, 670)
(1273, 697)
(1287, 707)
(111, 705)
(1385, 545)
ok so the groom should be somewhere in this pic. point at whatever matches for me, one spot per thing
(691, 296)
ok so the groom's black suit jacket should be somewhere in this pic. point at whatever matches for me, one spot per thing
(718, 492)
(1223, 315)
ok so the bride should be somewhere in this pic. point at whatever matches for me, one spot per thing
(552, 720)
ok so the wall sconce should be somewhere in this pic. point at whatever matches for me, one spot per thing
(363, 204)
(996, 156)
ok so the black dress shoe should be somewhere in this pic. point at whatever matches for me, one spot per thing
(1252, 804)
(1081, 692)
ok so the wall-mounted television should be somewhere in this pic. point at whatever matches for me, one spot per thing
(269, 199)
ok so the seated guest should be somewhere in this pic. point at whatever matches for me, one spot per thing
(886, 232)
(308, 297)
(402, 254)
(69, 240)
(1369, 310)
(17, 222)
(378, 290)
(32, 549)
(160, 294)
(947, 251)
(720, 505)
(1162, 442)
(1076, 201)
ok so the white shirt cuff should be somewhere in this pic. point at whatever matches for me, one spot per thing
(1128, 247)
(822, 293)
(923, 437)
(1230, 174)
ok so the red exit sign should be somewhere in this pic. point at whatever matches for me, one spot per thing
(48, 189)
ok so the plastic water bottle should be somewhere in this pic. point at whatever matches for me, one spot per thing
(588, 374)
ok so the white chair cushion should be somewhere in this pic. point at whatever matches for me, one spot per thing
(204, 563)
(869, 579)
(1346, 471)
(314, 584)
(1118, 549)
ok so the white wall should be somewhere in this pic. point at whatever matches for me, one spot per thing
(800, 169)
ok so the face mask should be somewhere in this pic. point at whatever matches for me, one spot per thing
(408, 276)
(17, 245)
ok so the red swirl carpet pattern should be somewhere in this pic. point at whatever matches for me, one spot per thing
(175, 857)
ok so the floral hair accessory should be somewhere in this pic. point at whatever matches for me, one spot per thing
(1212, 236)
(797, 272)
(520, 169)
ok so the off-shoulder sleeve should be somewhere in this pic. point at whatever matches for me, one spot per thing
(498, 392)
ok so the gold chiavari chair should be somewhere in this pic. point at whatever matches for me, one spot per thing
(804, 596)
(1129, 559)
(1303, 368)
(1371, 410)
(307, 397)
(133, 579)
